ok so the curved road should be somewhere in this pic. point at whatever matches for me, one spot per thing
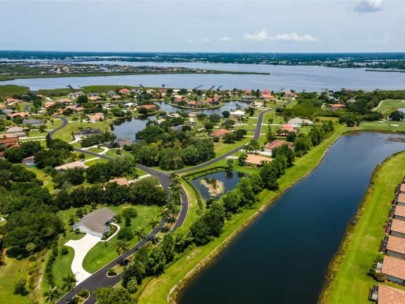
(99, 278)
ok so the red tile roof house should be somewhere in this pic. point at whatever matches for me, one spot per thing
(124, 91)
(336, 106)
(8, 143)
(18, 114)
(287, 128)
(268, 96)
(401, 200)
(148, 107)
(256, 160)
(96, 117)
(396, 247)
(64, 100)
(402, 188)
(122, 181)
(399, 212)
(276, 144)
(394, 270)
(397, 228)
(220, 132)
(387, 295)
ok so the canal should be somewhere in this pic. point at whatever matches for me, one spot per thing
(284, 255)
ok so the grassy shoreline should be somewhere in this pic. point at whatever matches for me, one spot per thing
(166, 287)
(347, 279)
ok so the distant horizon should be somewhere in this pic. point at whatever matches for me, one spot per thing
(202, 52)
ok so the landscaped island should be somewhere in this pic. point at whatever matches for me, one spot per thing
(64, 163)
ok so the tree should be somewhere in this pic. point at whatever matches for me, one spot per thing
(242, 158)
(268, 174)
(302, 144)
(20, 287)
(121, 247)
(245, 187)
(229, 166)
(231, 201)
(269, 135)
(132, 285)
(226, 114)
(108, 295)
(253, 145)
(82, 99)
(125, 234)
(52, 295)
(69, 282)
(140, 233)
(397, 116)
(167, 245)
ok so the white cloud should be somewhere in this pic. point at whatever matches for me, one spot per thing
(263, 36)
(294, 37)
(260, 36)
(369, 6)
(206, 40)
(225, 38)
(198, 40)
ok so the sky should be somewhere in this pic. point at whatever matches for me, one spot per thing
(203, 26)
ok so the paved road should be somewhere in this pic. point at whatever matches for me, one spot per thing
(256, 136)
(100, 279)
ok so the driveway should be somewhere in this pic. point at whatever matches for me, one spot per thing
(81, 248)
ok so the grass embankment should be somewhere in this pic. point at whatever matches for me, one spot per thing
(10, 90)
(390, 105)
(348, 272)
(194, 259)
(104, 252)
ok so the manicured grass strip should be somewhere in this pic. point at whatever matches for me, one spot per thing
(350, 282)
(158, 289)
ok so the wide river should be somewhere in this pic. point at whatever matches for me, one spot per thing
(284, 255)
(310, 78)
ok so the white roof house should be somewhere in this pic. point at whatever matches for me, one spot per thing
(298, 122)
(238, 113)
(96, 223)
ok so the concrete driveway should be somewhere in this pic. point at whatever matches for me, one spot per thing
(81, 248)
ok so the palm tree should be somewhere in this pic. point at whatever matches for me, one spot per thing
(155, 239)
(121, 247)
(69, 282)
(140, 233)
(153, 223)
(52, 294)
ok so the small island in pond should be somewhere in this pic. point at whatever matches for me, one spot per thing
(215, 187)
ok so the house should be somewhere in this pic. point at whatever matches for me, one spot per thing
(401, 200)
(8, 143)
(33, 122)
(96, 117)
(96, 223)
(256, 160)
(336, 106)
(122, 142)
(75, 95)
(402, 188)
(148, 107)
(267, 97)
(399, 212)
(238, 113)
(64, 101)
(290, 94)
(268, 148)
(220, 132)
(10, 101)
(384, 294)
(122, 181)
(49, 104)
(394, 269)
(94, 98)
(397, 228)
(12, 130)
(18, 114)
(396, 247)
(76, 164)
(298, 122)
(76, 108)
(287, 128)
(124, 91)
(88, 132)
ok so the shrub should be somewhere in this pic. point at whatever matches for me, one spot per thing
(132, 286)
(64, 251)
(111, 272)
(20, 287)
(84, 293)
(125, 234)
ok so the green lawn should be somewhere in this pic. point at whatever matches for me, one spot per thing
(385, 126)
(10, 90)
(103, 252)
(72, 127)
(350, 282)
(157, 289)
(390, 105)
(45, 178)
(62, 266)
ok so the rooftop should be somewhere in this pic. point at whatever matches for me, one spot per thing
(220, 132)
(277, 144)
(122, 181)
(399, 210)
(396, 244)
(393, 267)
(96, 221)
(257, 160)
(401, 198)
(76, 164)
(398, 225)
(390, 295)
(402, 188)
